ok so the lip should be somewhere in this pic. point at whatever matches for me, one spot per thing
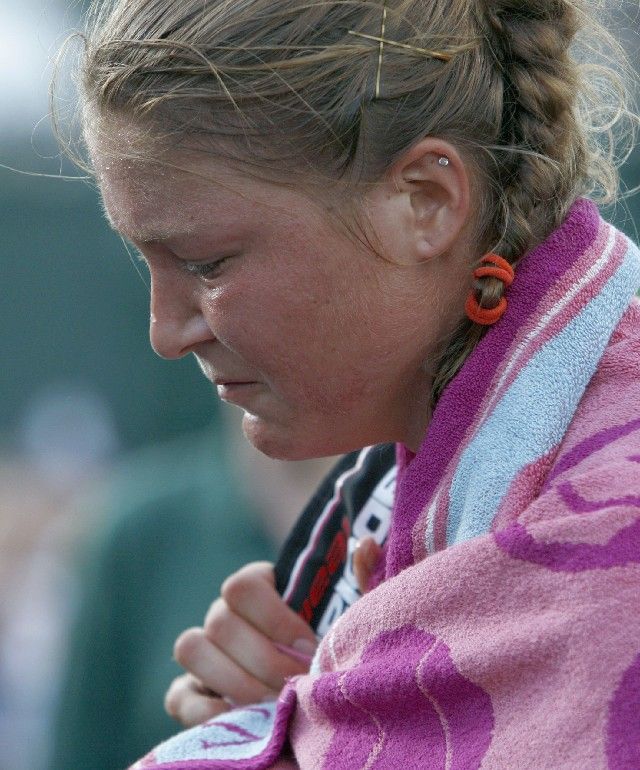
(234, 391)
(219, 381)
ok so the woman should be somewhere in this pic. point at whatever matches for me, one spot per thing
(367, 222)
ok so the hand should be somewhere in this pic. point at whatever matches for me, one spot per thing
(365, 559)
(250, 642)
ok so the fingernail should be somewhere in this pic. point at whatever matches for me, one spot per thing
(305, 646)
(301, 650)
(370, 551)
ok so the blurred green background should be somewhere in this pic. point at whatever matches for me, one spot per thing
(75, 313)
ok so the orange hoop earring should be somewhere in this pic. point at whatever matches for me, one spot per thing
(493, 266)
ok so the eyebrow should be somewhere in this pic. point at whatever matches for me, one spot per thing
(148, 236)
(142, 236)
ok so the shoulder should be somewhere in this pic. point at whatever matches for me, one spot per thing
(586, 515)
(601, 449)
(613, 394)
(622, 351)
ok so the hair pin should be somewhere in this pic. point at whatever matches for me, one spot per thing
(382, 40)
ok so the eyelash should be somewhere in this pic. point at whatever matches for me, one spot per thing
(206, 270)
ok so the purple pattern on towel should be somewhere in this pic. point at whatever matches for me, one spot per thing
(276, 732)
(579, 504)
(623, 548)
(232, 728)
(623, 730)
(590, 445)
(442, 717)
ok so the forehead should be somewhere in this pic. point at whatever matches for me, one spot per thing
(186, 195)
(151, 196)
(147, 200)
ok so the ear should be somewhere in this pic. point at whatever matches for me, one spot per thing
(422, 206)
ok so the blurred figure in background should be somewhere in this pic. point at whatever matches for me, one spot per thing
(65, 442)
(65, 351)
(174, 522)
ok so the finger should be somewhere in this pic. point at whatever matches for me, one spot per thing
(365, 559)
(217, 671)
(186, 702)
(251, 594)
(251, 649)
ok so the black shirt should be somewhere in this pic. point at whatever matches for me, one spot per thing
(314, 572)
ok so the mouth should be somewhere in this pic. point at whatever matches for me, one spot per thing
(228, 382)
(235, 391)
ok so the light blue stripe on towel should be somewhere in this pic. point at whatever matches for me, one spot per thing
(532, 416)
(226, 737)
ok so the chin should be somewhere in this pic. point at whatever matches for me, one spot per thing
(281, 444)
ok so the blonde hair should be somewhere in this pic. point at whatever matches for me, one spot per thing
(286, 89)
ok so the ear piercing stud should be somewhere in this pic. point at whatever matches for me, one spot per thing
(443, 161)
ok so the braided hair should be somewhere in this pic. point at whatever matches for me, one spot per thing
(541, 162)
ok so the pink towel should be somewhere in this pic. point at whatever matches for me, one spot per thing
(504, 633)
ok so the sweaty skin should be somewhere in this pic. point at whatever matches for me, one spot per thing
(325, 345)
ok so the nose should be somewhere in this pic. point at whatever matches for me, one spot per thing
(176, 323)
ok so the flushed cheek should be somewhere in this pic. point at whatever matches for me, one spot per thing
(312, 373)
(302, 349)
(268, 298)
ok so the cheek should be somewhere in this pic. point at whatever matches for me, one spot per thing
(320, 327)
(280, 301)
(299, 332)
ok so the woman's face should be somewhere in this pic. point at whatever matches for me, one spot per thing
(321, 342)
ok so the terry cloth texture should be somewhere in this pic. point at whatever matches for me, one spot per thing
(506, 632)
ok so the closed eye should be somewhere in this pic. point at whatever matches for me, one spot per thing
(206, 270)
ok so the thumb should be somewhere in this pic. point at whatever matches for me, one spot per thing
(365, 559)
